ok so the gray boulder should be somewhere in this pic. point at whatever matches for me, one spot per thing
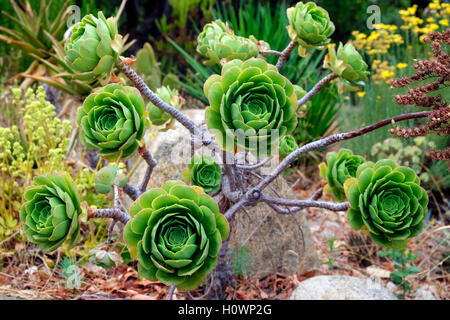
(340, 288)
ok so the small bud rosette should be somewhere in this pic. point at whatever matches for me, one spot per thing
(170, 96)
(340, 166)
(107, 177)
(287, 146)
(251, 106)
(176, 233)
(50, 213)
(203, 172)
(217, 41)
(94, 47)
(112, 121)
(310, 26)
(348, 64)
(388, 201)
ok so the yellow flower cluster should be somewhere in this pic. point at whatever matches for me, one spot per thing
(437, 20)
(378, 41)
(383, 72)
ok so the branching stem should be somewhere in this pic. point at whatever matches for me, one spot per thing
(317, 87)
(285, 54)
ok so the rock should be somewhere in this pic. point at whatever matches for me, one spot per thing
(426, 292)
(272, 243)
(340, 288)
(378, 272)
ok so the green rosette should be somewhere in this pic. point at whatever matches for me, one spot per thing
(386, 200)
(339, 167)
(252, 106)
(112, 121)
(50, 212)
(203, 172)
(94, 47)
(176, 233)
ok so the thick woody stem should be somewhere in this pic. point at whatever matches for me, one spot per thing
(170, 293)
(112, 213)
(149, 94)
(253, 166)
(151, 162)
(275, 52)
(331, 140)
(317, 87)
(306, 203)
(285, 54)
(132, 191)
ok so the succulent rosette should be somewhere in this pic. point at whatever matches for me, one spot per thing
(386, 200)
(109, 176)
(348, 64)
(112, 121)
(252, 106)
(170, 96)
(287, 146)
(176, 233)
(339, 167)
(51, 210)
(203, 172)
(94, 47)
(217, 41)
(310, 26)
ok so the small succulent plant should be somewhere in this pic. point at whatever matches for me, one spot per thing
(203, 172)
(310, 26)
(217, 41)
(171, 96)
(94, 47)
(339, 167)
(348, 64)
(287, 146)
(109, 176)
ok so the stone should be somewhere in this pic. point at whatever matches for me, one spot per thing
(340, 288)
(426, 292)
(275, 243)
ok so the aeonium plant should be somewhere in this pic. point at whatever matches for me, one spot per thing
(50, 212)
(94, 47)
(112, 121)
(310, 26)
(251, 107)
(386, 200)
(177, 232)
(203, 172)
